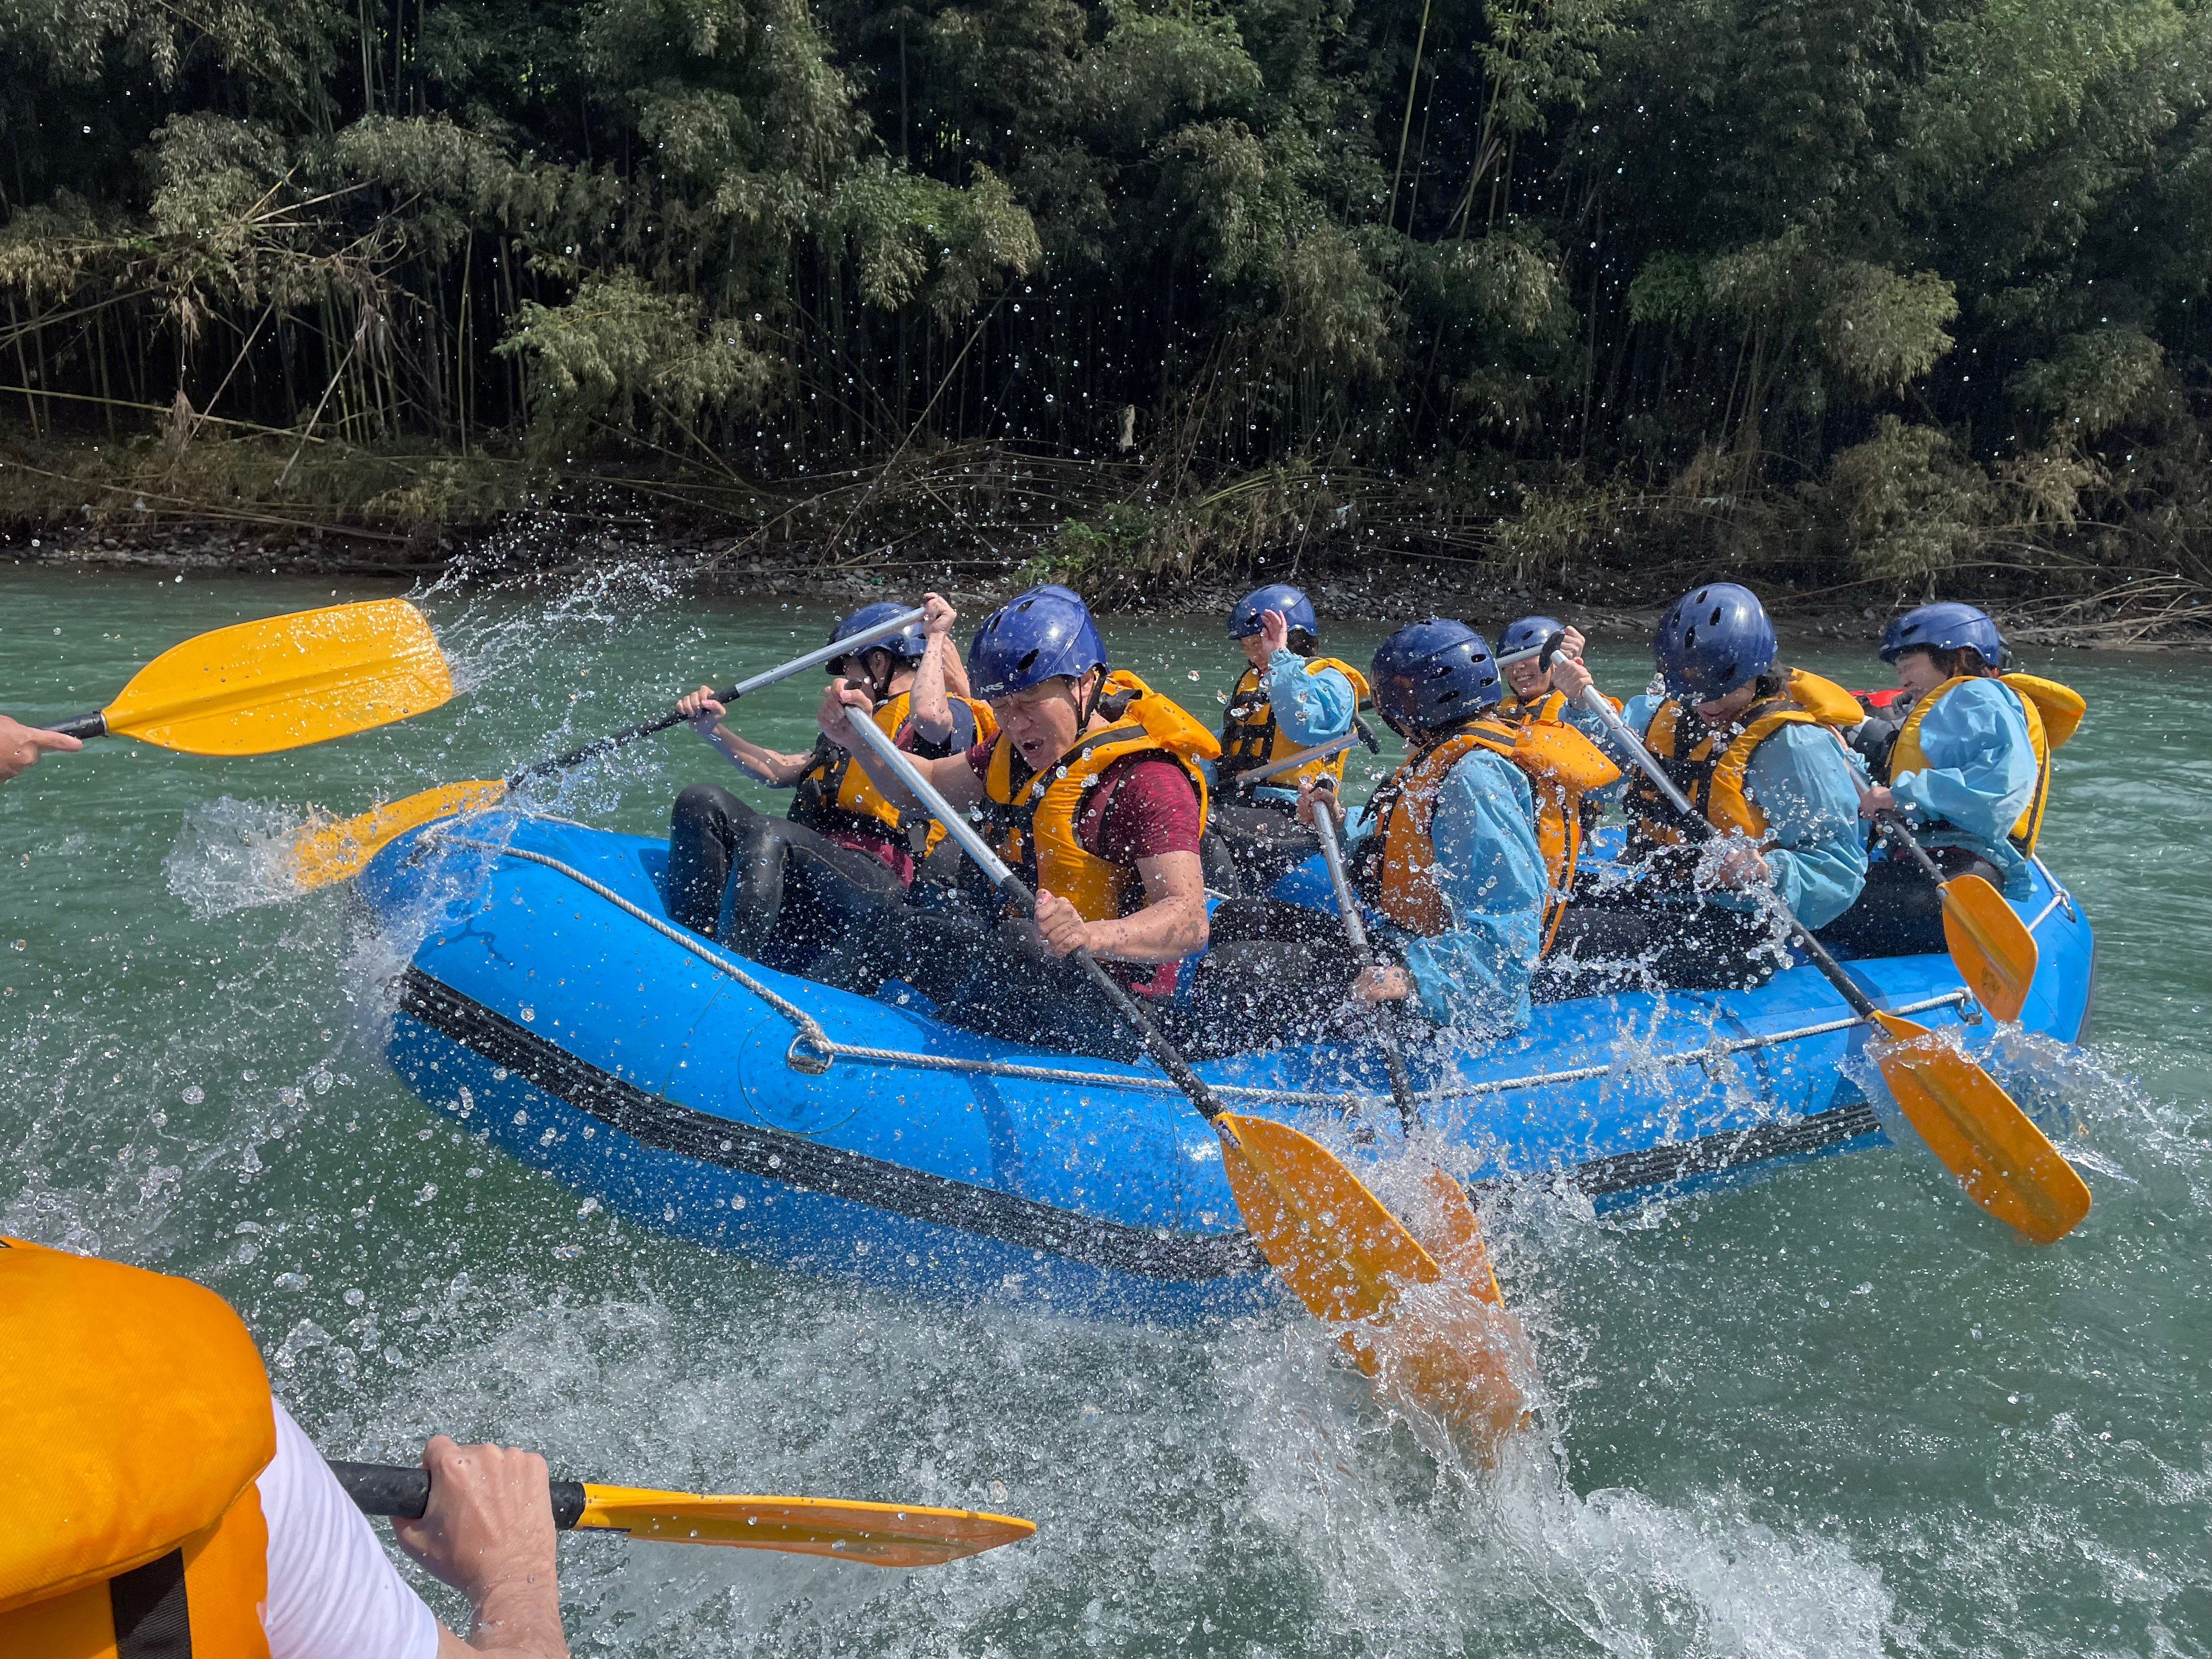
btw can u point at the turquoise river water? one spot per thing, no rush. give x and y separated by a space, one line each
1840 1412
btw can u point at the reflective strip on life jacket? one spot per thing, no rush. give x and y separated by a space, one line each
1251 737
2052 710
134 1442
1036 815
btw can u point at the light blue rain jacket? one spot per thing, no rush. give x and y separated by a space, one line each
1309 709
1805 783
1474 975
1980 776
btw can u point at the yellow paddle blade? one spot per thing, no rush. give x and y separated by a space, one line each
2005 1162
336 851
1991 945
1443 1349
881 1534
1449 1228
263 686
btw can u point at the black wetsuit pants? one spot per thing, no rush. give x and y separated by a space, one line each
1899 912
1635 938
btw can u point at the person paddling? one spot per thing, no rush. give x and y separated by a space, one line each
1287 700
1756 747
808 893
1963 757
1535 694
1446 852
182 1510
1092 786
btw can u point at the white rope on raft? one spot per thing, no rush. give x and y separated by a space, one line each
827 1048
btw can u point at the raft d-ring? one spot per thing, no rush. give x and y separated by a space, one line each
1969 1012
808 1055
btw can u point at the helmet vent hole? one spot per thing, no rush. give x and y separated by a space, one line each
1029 660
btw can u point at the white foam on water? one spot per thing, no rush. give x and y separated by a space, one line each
232 856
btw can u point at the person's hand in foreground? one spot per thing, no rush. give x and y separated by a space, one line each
489 1533
21 746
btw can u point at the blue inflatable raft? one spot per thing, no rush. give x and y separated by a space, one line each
550 1002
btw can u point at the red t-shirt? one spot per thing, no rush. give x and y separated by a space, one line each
1142 807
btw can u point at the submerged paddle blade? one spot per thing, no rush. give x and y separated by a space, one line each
1449 1228
338 852
1990 943
263 686
2006 1164
881 1534
1443 1348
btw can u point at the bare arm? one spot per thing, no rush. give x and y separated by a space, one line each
951 777
927 706
1169 927
489 1533
777 770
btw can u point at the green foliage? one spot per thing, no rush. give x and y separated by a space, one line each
1543 256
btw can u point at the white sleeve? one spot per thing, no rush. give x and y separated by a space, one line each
333 1593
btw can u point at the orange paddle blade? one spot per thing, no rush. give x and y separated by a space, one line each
2006 1164
1991 945
336 852
1451 1233
260 687
1442 1349
881 1534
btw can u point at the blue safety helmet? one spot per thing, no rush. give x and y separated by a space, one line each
1042 634
1298 610
1945 626
1528 633
1431 675
1712 639
907 645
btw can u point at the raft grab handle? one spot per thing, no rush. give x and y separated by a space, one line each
813 1050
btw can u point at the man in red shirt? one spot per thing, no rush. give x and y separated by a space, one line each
1093 790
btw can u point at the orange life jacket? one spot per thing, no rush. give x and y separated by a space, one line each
1710 767
1251 737
137 1417
1397 868
2052 710
1036 815
834 795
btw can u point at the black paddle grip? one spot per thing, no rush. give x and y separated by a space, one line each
386 1488
93 725
1551 650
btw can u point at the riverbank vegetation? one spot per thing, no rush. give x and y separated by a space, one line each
1904 294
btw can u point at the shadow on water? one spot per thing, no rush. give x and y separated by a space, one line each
1835 1412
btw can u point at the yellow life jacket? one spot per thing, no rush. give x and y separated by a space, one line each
2052 710
1710 769
834 795
1561 765
1251 738
1036 815
137 1417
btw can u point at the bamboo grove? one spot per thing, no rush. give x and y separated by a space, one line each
1869 288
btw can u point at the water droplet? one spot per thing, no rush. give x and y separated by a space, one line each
528 1014
194 1094
354 1299
291 1281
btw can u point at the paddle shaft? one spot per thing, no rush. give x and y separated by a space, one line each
1291 763
829 653
1155 1041
1393 1056
1695 824
387 1489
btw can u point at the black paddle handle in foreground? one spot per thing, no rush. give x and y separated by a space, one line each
829 653
1149 1034
93 725
1696 825
387 1489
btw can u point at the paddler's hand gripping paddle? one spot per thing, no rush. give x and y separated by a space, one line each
336 852
881 1534
2006 1164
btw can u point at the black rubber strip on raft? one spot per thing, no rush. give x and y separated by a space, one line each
793 1160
